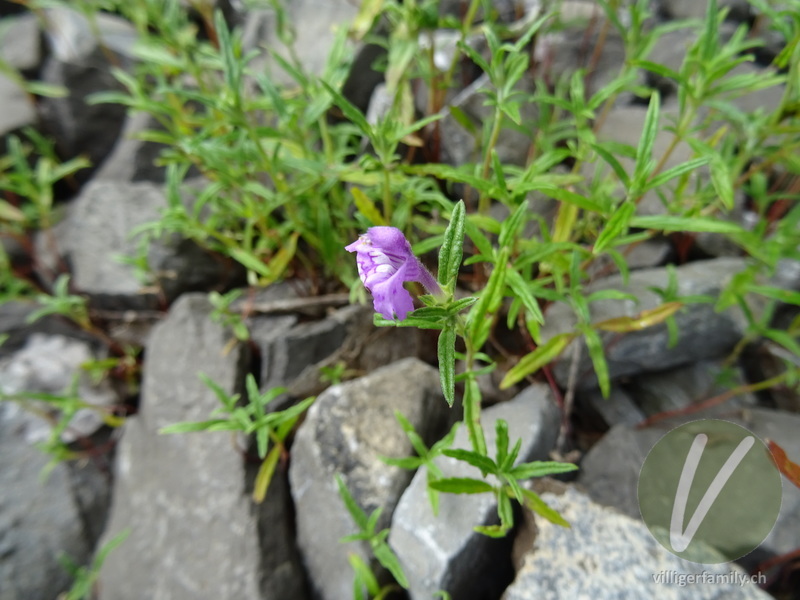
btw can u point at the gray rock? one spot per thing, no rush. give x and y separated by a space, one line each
14 323
459 145
314 26
703 333
685 386
690 9
41 519
444 552
194 530
345 432
562 52
650 253
18 110
133 159
618 408
293 353
20 44
610 470
97 233
50 364
605 555
81 63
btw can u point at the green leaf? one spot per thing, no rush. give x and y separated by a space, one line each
521 289
265 473
388 559
540 507
363 577
595 346
501 443
676 223
513 224
530 363
367 207
459 305
615 165
541 469
426 323
494 531
462 119
367 13
447 361
571 198
616 226
349 109
644 152
211 425
505 511
721 180
357 514
674 172
452 247
489 301
461 485
479 461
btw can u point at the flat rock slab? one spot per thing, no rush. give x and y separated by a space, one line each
194 532
345 432
606 555
443 552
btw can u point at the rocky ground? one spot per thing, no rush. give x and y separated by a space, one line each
185 499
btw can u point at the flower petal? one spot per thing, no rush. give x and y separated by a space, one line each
390 297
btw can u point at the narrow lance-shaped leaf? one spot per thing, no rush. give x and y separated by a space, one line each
461 485
479 461
530 363
265 473
645 319
452 246
447 360
513 224
596 353
540 507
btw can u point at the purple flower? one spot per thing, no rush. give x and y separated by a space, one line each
385 262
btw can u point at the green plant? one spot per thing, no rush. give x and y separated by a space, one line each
252 418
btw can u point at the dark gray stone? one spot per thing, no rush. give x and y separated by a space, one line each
82 64
685 386
42 518
618 408
195 532
703 333
610 470
443 551
607 555
292 352
345 432
133 159
14 323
